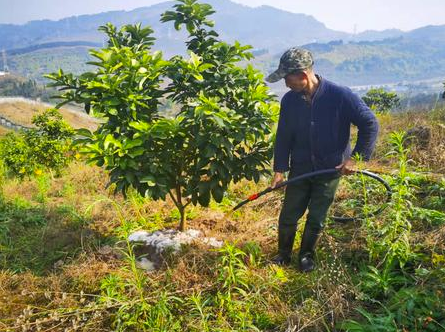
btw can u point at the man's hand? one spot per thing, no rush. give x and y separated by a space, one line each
347 167
277 179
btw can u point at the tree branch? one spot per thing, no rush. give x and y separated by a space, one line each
173 198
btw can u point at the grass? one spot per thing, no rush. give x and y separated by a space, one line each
21 111
65 264
4 131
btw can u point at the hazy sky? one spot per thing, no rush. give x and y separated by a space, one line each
339 14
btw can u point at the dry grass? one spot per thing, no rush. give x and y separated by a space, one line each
80 187
22 111
191 272
303 302
431 158
4 131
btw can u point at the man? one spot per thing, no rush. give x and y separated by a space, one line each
314 131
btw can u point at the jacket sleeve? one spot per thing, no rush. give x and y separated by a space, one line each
365 120
283 141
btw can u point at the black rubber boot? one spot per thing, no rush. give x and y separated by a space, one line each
306 262
280 260
286 238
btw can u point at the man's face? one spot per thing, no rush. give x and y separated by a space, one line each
296 82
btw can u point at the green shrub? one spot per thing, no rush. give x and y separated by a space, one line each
44 148
381 101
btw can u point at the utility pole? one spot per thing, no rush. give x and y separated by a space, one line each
5 63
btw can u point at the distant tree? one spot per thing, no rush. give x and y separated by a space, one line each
17 86
422 101
381 101
47 147
221 132
443 94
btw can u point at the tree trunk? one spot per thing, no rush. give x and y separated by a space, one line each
183 219
181 207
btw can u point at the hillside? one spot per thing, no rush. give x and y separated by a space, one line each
37 63
64 260
416 55
20 111
72 253
133 228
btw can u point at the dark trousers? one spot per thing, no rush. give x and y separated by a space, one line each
315 194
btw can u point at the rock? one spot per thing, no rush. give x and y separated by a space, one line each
158 242
146 264
213 242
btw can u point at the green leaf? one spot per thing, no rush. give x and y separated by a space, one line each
142 81
149 180
190 27
139 151
204 193
131 143
204 198
218 193
84 132
199 77
195 60
112 111
219 121
256 177
134 63
138 125
205 66
110 140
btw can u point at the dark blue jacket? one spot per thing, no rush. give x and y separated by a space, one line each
316 135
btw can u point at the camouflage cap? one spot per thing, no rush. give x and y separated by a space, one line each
294 59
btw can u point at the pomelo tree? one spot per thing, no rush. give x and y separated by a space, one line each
45 147
381 101
222 131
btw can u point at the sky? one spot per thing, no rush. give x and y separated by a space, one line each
342 15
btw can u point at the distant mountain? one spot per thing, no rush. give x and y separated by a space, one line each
372 35
262 27
75 28
370 57
268 27
415 55
37 47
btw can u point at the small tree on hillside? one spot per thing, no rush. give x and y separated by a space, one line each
381 101
47 147
220 134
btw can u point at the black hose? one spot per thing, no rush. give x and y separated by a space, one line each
322 172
